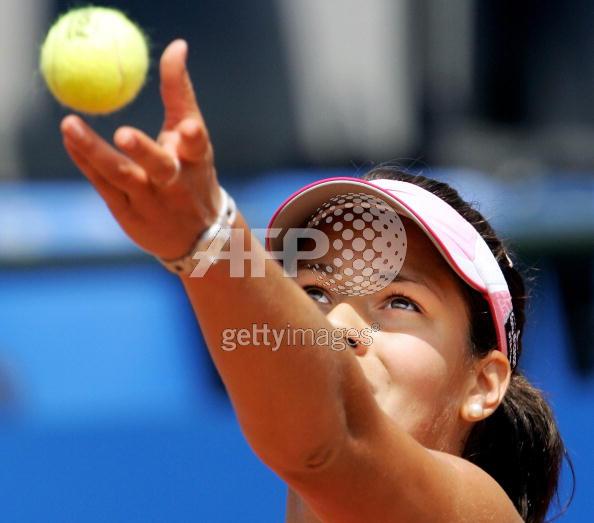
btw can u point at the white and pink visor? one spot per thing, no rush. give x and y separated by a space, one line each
455 238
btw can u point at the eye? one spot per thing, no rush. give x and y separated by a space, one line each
398 301
317 294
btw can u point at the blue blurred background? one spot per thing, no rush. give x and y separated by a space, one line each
110 409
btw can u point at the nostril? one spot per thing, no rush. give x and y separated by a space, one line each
352 342
359 348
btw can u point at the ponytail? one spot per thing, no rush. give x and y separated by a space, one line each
519 445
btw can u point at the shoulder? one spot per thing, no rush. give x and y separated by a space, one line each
478 484
392 477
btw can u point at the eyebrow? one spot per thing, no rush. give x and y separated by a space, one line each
419 280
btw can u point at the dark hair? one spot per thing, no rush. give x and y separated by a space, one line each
519 445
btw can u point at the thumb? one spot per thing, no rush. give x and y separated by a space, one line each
177 91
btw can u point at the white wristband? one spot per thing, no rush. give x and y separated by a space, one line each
210 239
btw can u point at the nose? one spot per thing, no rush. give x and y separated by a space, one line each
346 318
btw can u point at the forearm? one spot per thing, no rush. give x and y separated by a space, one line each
290 403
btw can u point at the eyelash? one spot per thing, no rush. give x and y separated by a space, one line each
388 300
412 302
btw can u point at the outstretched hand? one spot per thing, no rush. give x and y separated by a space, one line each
163 193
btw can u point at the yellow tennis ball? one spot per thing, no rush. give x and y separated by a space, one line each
94 60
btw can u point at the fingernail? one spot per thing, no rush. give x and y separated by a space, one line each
127 140
75 131
185 59
190 128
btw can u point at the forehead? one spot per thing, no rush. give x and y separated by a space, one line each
421 252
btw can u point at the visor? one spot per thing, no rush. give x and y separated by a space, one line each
456 239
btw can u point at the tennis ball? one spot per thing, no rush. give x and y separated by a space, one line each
94 60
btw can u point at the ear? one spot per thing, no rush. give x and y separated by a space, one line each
486 387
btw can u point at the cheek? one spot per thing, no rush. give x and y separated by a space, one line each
412 363
420 381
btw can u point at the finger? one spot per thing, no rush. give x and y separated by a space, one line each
160 165
111 165
115 199
177 91
194 144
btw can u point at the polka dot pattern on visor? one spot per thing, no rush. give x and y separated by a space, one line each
368 246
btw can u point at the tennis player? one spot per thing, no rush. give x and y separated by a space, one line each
416 411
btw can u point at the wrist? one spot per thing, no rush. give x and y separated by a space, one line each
209 242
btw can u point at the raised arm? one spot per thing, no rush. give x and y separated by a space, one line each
307 411
289 404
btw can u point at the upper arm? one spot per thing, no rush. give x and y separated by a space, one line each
390 477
